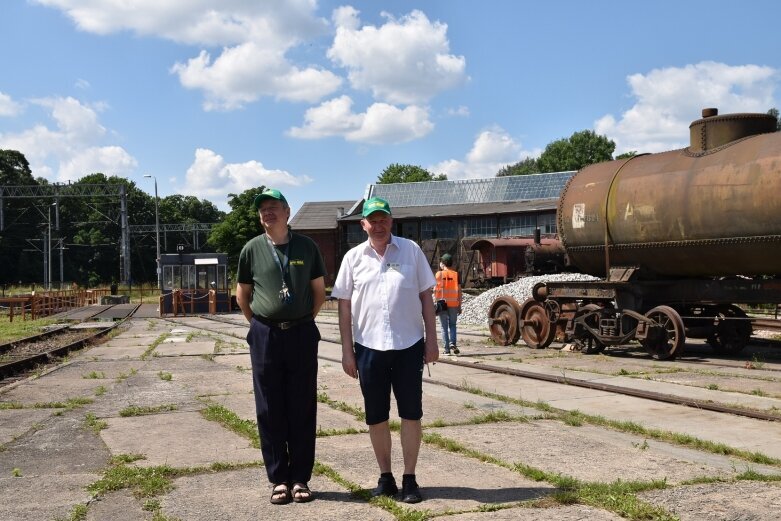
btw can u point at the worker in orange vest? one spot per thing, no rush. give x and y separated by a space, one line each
449 290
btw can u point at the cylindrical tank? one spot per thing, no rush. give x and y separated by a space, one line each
711 209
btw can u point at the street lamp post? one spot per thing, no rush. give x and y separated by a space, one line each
157 234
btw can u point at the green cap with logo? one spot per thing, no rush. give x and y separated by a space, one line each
375 204
269 193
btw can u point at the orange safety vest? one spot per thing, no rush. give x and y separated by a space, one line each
447 288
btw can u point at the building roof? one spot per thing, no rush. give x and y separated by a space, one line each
320 215
472 191
466 210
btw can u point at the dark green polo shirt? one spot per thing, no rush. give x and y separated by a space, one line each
258 267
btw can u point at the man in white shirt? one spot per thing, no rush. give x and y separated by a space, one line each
384 291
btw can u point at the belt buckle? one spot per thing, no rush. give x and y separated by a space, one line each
285 325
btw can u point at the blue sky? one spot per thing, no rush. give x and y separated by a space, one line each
316 98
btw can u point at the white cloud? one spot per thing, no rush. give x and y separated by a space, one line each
244 73
198 22
492 150
404 61
209 176
460 111
249 38
669 99
8 107
380 124
72 148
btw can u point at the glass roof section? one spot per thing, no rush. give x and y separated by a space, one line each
469 191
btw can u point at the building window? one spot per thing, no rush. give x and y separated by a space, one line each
354 233
517 225
480 227
547 223
409 230
438 230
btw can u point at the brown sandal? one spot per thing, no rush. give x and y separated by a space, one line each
280 494
301 493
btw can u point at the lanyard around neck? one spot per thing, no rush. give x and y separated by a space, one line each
283 269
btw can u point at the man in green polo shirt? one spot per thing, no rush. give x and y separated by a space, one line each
280 290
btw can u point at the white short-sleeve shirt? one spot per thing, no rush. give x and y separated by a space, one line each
385 293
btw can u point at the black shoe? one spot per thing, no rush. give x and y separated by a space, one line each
410 492
454 348
386 486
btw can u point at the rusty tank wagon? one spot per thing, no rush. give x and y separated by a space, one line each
677 238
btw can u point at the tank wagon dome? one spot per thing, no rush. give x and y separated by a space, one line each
709 210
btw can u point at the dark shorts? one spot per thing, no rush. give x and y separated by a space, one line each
381 371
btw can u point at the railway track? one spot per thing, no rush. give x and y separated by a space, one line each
18 357
485 366
767 324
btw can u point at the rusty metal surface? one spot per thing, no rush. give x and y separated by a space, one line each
679 214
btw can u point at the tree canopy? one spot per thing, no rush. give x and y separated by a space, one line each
573 153
580 149
523 167
398 173
238 226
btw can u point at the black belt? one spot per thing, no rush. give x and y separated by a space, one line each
283 324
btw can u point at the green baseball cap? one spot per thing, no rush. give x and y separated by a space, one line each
269 193
375 204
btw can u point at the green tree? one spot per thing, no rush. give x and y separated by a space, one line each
20 222
240 225
523 167
774 112
627 155
580 149
188 209
397 173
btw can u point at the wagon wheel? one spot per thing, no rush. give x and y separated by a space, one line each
667 340
731 335
589 344
537 331
503 321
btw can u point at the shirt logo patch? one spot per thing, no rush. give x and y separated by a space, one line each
392 266
296 262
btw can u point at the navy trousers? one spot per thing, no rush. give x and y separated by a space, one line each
284 378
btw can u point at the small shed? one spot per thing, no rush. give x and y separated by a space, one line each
192 276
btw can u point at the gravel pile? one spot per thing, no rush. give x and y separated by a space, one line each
474 310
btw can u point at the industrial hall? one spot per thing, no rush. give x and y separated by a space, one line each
493 227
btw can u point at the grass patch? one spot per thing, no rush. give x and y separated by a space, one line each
10 331
137 410
358 413
122 376
119 459
143 482
324 433
230 420
92 422
100 390
77 513
166 377
94 375
149 350
69 404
